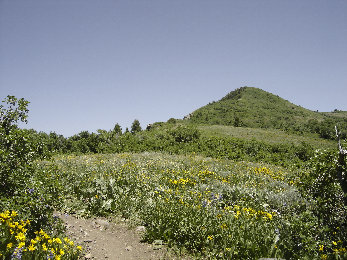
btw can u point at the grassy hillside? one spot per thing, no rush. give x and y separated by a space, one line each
271 136
255 108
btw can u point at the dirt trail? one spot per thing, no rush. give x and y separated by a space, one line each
102 239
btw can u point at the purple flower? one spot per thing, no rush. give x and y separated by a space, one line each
17 254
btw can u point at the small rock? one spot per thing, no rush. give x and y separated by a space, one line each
88 256
129 248
102 222
141 229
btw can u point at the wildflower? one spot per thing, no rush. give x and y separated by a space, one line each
269 216
57 240
20 236
31 247
9 245
17 253
321 247
334 243
79 247
5 215
223 226
238 213
210 237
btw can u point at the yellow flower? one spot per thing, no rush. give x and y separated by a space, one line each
9 245
321 247
5 215
20 237
44 247
79 247
62 252
21 244
210 237
57 240
223 226
31 247
334 243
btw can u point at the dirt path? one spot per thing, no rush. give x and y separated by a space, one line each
102 239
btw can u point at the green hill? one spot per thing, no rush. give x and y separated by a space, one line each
256 108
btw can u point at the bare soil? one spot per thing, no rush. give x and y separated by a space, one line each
103 239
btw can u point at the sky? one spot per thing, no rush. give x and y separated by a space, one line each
89 64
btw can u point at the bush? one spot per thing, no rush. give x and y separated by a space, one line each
184 134
16 153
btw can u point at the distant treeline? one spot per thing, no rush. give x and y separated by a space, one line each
171 138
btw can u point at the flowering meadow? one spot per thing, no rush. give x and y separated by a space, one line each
210 208
231 206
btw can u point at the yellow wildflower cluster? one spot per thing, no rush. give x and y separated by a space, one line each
337 249
17 244
182 181
278 176
248 212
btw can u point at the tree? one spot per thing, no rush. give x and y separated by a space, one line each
16 151
117 129
135 127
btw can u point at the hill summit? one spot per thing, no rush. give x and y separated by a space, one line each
256 108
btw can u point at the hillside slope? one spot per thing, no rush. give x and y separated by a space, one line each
256 108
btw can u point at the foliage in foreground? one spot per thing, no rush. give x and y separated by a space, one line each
16 244
26 203
213 208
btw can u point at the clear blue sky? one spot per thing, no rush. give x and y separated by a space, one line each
87 64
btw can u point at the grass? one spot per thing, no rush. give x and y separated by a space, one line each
266 135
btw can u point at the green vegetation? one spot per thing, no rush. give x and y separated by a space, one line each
271 136
212 208
26 203
212 191
255 108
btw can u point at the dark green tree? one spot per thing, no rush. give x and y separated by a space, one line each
117 129
136 127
